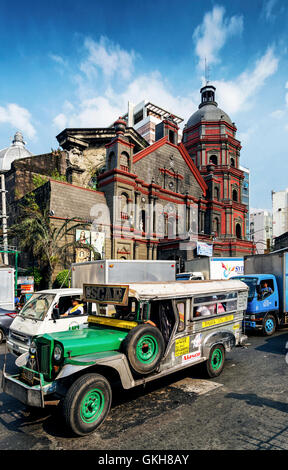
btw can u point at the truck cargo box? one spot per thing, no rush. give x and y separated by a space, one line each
111 270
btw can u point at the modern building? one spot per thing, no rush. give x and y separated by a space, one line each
280 212
261 230
144 118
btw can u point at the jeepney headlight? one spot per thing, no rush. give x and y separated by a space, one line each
33 348
57 353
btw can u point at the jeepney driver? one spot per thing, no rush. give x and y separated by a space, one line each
77 308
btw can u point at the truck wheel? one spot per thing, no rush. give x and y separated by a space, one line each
215 363
269 325
87 403
144 347
2 336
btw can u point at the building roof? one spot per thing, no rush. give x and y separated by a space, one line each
208 112
16 151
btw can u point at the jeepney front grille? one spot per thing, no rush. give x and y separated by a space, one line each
43 358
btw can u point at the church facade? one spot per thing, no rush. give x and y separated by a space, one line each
153 201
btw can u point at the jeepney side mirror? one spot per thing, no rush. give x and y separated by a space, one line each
55 314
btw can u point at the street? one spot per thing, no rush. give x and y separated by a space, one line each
244 408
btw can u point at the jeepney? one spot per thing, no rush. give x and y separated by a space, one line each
139 332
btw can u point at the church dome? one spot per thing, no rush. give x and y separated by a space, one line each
16 151
208 108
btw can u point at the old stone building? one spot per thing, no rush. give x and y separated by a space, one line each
144 201
210 139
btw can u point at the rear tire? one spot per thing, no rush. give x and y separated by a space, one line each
215 364
144 348
87 403
269 325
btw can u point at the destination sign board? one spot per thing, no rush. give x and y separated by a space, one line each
106 294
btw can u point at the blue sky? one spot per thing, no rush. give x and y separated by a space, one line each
76 64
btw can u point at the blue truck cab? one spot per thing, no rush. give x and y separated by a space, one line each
263 302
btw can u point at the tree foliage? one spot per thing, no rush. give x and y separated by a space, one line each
36 233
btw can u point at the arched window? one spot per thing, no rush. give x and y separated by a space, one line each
124 206
235 195
232 162
172 137
213 159
216 226
142 220
217 193
111 161
238 231
124 161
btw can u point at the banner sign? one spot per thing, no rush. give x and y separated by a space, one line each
204 249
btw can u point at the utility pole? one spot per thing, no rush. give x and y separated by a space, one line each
4 219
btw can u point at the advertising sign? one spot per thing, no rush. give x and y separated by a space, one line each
204 249
225 268
26 284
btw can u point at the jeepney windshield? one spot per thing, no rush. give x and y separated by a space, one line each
37 306
130 311
251 282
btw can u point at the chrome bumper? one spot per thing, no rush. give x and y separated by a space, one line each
32 396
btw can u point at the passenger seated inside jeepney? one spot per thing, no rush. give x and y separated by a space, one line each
127 312
162 315
205 310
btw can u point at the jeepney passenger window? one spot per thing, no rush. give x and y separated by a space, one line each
216 304
181 313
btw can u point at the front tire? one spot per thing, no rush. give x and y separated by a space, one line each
87 403
215 364
269 325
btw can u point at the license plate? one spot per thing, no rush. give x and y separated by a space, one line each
28 376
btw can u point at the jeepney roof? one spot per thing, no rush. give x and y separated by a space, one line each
149 290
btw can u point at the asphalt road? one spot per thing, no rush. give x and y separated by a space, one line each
244 408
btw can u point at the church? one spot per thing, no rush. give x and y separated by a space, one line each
157 201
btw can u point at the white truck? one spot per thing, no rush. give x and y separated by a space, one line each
215 268
7 288
43 312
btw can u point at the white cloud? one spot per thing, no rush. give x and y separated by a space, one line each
278 113
104 110
238 95
211 35
108 57
99 102
19 118
267 9
58 59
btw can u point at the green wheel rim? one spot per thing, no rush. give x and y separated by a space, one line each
147 349
92 405
216 359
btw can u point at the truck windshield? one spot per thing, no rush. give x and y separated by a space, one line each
183 277
38 306
251 282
